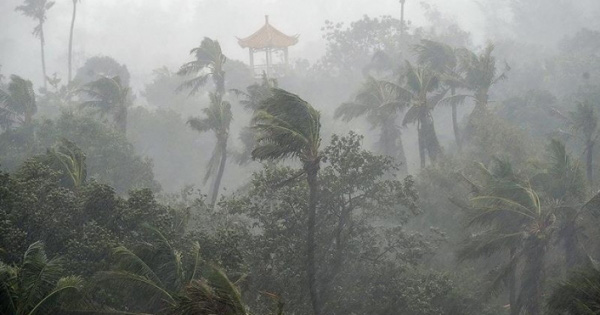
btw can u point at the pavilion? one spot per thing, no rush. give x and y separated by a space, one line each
269 40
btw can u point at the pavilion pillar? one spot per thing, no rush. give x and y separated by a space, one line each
268 55
251 50
285 55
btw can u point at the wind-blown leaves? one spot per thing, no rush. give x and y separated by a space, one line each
17 102
209 63
286 126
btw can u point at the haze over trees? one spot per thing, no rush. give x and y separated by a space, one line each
413 168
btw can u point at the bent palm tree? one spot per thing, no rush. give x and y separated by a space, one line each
289 127
37 10
217 119
36 286
251 99
379 100
17 103
513 220
108 96
420 83
72 159
443 59
480 74
580 294
209 63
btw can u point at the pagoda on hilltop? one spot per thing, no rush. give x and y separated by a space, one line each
273 43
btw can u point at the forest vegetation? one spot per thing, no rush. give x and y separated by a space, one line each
409 170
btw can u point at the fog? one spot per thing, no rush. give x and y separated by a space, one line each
300 157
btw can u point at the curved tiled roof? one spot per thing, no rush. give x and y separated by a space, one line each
268 37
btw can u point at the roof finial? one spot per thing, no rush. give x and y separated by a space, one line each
266 19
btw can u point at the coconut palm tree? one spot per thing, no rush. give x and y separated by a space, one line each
37 9
17 103
480 74
71 40
108 96
421 91
379 100
563 181
159 272
36 285
217 118
72 159
511 219
209 63
580 294
443 59
289 127
251 100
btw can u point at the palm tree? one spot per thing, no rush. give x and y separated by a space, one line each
580 294
108 96
37 10
17 102
480 74
563 181
583 122
217 119
379 100
215 294
209 63
443 59
36 285
158 271
512 219
71 40
420 83
251 99
289 127
72 159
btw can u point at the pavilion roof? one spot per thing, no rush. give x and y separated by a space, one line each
268 37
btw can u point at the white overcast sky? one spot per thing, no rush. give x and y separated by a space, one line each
147 34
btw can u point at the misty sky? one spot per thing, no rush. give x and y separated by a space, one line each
147 34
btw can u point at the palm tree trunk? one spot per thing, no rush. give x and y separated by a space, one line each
312 168
531 287
120 119
217 183
71 41
432 144
421 140
455 123
42 43
570 243
402 17
390 144
589 160
512 285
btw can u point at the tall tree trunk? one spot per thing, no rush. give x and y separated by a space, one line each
390 144
512 285
531 285
589 161
217 183
42 44
570 244
120 120
455 123
421 139
220 83
402 17
71 42
432 144
312 168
